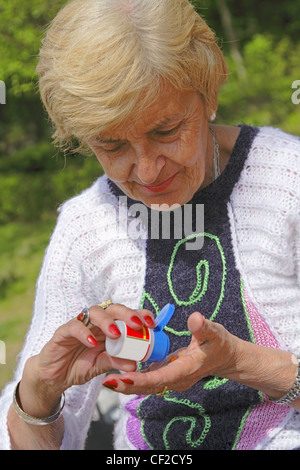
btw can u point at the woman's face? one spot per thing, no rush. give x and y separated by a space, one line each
163 157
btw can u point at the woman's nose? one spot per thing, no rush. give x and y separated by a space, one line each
149 165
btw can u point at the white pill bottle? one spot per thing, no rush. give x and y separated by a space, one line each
145 344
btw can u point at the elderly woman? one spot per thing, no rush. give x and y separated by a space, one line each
136 82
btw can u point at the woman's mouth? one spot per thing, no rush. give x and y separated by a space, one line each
158 188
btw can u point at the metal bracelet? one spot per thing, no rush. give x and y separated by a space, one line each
293 393
32 420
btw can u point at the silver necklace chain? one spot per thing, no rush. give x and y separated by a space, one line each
217 170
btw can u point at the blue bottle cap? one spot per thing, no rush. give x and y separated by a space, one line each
164 317
161 342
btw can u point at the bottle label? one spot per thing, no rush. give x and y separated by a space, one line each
137 343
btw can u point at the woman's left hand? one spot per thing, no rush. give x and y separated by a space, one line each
212 351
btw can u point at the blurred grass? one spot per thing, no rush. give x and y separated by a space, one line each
22 247
28 203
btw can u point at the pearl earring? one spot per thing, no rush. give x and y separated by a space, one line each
213 117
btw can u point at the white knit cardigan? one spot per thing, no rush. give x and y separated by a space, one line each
89 261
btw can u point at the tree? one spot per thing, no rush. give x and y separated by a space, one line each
22 25
261 38
33 178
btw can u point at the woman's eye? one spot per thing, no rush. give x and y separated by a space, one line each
113 149
169 131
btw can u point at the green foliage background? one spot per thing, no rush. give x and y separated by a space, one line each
261 41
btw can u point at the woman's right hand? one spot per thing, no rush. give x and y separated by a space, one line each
76 354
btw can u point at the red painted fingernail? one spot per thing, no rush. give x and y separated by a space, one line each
137 320
80 317
92 340
114 330
149 320
111 384
128 381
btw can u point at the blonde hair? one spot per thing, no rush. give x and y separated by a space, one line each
103 61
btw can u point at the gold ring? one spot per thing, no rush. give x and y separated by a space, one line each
105 304
161 394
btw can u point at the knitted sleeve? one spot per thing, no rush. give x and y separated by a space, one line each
64 287
265 207
297 246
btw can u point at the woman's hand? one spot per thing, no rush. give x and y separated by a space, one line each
76 354
212 351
